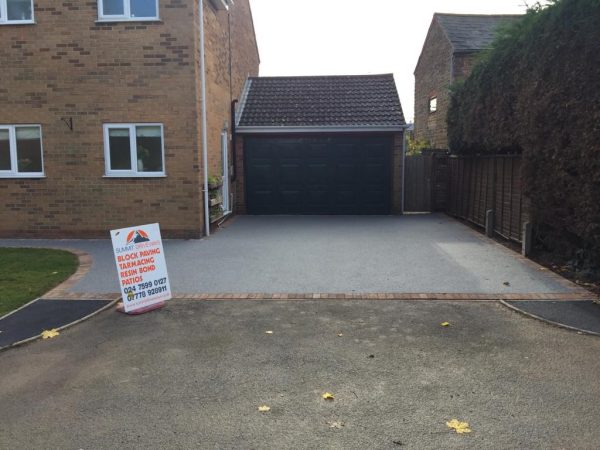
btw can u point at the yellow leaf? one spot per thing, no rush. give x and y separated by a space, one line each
268 332
264 408
49 334
445 324
459 427
328 396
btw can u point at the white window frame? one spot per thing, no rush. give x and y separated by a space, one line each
133 173
126 16
4 15
433 101
12 139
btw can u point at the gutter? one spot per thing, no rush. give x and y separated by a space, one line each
204 126
321 129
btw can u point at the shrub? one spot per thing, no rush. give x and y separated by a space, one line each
537 92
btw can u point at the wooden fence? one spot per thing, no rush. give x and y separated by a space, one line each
481 183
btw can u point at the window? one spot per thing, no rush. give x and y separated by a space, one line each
134 150
118 10
21 151
16 11
221 4
433 104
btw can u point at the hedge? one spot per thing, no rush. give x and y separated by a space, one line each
537 93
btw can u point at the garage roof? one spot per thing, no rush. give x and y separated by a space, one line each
320 103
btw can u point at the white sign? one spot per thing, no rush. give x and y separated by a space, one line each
141 266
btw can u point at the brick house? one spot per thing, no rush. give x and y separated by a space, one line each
320 145
100 112
449 52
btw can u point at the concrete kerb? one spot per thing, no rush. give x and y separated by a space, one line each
548 322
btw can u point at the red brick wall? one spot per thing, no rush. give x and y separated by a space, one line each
67 65
433 76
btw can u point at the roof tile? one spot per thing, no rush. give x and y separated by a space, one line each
344 100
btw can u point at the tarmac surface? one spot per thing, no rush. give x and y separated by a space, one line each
41 315
193 374
329 254
580 315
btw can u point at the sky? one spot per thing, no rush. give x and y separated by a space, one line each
350 37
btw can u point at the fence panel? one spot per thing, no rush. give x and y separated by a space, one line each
480 183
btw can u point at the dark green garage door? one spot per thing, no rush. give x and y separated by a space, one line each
318 175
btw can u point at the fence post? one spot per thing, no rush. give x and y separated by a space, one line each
489 223
527 237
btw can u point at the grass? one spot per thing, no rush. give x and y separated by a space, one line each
27 273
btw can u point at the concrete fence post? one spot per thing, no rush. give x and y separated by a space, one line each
489 223
526 239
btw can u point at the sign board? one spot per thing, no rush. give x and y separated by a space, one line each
141 266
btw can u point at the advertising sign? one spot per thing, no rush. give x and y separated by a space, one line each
141 266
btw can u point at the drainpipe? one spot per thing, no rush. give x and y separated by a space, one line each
204 127
403 165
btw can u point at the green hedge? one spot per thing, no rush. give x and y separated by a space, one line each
537 92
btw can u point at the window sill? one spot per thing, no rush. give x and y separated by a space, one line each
136 20
132 175
17 22
22 176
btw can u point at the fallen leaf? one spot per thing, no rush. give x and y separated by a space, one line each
445 324
459 427
49 334
340 334
337 425
506 283
328 396
268 332
54 273
264 408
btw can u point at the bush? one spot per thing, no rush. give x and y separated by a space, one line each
537 92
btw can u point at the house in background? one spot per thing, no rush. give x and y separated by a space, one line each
320 145
451 46
100 112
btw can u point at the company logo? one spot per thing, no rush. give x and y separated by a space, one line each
137 236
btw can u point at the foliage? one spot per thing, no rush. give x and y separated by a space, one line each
215 181
27 273
536 92
416 146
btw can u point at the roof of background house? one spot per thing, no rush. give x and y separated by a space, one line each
472 32
345 101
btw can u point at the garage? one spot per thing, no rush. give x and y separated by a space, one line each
318 175
319 145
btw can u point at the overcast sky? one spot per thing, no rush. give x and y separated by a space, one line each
341 37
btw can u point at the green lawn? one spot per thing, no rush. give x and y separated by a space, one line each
27 273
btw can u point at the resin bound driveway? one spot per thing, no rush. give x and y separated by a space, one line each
331 254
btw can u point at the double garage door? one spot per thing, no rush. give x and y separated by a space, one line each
318 175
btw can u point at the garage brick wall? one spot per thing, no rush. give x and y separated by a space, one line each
68 65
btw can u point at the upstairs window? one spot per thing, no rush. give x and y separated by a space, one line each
21 151
433 104
134 150
122 10
16 12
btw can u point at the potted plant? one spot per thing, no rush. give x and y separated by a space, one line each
215 182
